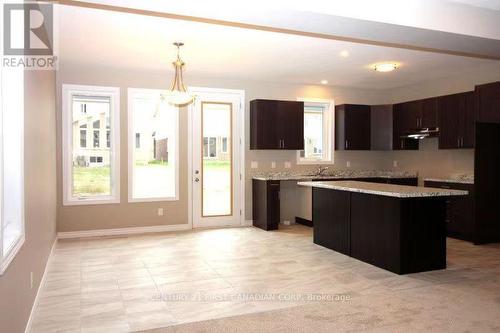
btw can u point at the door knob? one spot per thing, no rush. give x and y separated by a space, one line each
197 179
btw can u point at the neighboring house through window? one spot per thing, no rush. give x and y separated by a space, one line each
318 132
91 171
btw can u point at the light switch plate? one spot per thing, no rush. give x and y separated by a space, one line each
160 211
273 165
254 165
288 165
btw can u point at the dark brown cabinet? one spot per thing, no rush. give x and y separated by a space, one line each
404 119
457 118
459 210
276 124
488 102
352 127
266 204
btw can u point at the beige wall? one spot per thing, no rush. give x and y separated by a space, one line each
428 161
16 297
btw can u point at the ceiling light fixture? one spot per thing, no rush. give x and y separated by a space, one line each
385 67
177 95
344 53
324 81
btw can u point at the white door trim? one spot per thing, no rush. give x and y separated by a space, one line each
240 117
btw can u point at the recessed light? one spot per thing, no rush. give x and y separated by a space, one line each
324 81
344 53
385 67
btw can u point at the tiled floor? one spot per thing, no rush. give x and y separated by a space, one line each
158 280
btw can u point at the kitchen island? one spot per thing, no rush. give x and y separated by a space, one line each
398 228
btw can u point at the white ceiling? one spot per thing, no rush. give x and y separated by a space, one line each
110 39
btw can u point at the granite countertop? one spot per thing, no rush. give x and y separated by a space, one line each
335 174
458 179
397 191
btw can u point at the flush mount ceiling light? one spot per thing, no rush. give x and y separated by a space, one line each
385 67
324 81
177 95
344 53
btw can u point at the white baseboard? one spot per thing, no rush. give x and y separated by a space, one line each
123 231
247 223
40 287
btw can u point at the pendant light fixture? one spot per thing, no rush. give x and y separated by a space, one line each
177 95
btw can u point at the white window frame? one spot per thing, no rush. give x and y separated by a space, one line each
7 257
67 143
328 133
131 148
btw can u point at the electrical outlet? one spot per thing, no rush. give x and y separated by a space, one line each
395 163
288 165
273 165
286 222
31 280
160 211
254 165
348 164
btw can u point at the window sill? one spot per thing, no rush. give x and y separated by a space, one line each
5 262
313 162
138 200
83 202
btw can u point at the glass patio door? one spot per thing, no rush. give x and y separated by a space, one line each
216 158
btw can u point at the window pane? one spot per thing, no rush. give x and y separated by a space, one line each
216 168
154 126
313 132
91 165
12 109
83 138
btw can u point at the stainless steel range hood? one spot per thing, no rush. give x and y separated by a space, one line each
422 133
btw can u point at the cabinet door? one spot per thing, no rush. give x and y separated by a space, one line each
402 120
263 124
357 127
273 205
429 116
468 120
412 113
488 96
449 124
331 219
291 124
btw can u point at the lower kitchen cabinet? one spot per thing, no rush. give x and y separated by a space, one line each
266 204
459 210
331 216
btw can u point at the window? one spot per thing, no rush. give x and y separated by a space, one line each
153 147
318 133
224 145
210 147
138 140
83 136
11 164
91 175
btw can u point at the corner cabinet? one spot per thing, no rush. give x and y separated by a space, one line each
276 124
404 119
352 127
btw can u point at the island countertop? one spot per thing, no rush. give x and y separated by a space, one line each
389 190
334 174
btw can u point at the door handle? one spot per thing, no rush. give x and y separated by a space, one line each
346 144
196 179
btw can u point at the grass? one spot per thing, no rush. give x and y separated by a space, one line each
89 181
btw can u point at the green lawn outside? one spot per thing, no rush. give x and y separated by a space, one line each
96 180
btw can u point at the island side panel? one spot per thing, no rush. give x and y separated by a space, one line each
331 215
375 230
266 204
423 234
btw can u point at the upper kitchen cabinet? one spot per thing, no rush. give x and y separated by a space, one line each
429 113
404 120
381 127
488 102
352 127
457 116
276 124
